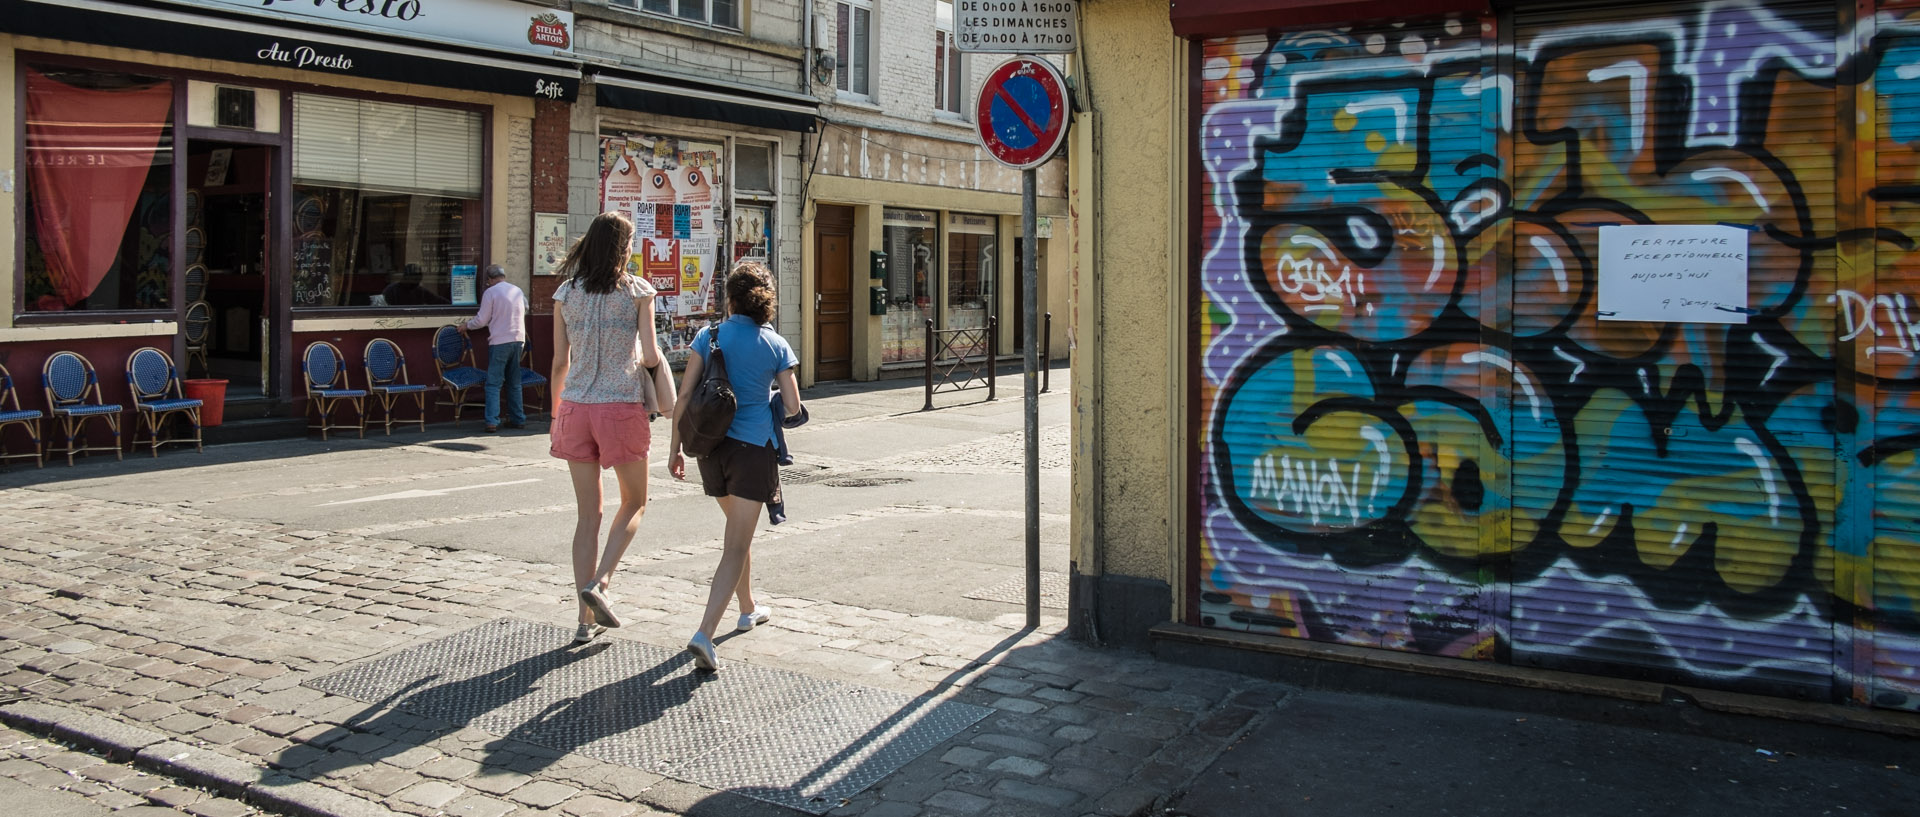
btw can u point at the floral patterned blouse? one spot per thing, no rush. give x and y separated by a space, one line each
604 330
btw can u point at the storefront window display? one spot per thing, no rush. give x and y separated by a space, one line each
673 191
911 238
99 154
971 251
387 203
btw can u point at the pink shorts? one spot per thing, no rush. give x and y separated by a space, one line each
607 433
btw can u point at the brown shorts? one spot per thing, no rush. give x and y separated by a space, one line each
735 468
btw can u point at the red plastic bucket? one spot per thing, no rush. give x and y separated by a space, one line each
212 395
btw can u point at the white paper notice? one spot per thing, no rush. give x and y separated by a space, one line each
1673 273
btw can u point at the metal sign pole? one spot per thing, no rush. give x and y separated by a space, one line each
1030 312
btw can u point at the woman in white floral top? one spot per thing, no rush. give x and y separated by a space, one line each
603 349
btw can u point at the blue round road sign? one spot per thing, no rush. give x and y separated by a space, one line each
1023 112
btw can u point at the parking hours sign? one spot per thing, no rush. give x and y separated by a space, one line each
1023 112
1015 26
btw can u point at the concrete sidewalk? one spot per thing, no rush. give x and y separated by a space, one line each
169 628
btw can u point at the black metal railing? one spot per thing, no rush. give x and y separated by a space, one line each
961 359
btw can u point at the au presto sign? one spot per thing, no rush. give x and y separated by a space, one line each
505 25
1015 26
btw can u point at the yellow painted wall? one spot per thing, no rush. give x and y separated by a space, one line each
1129 290
504 107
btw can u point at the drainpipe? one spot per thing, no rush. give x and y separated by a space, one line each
806 53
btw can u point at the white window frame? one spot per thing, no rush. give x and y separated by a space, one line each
949 66
675 10
853 60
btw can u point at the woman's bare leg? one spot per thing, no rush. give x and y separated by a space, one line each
742 516
586 528
632 477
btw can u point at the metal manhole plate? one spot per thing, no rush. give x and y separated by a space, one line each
864 482
777 736
1053 591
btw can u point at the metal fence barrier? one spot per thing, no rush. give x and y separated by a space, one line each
961 359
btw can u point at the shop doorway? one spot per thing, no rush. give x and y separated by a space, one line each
833 293
231 320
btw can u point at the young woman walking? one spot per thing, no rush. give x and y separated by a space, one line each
603 347
741 472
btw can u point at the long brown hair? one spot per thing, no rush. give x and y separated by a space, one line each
598 260
750 291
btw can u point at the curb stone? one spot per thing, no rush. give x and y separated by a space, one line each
204 768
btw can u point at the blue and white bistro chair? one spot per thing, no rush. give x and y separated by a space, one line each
530 379
453 357
325 374
155 386
73 398
12 414
387 380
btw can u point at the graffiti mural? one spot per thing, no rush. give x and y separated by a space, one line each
1419 433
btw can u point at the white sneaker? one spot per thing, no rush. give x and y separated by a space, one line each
704 656
749 620
587 632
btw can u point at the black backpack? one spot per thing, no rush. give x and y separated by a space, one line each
706 413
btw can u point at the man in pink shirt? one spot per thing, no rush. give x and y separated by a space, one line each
503 312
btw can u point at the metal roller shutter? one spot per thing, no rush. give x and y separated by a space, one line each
1352 475
1885 317
1673 514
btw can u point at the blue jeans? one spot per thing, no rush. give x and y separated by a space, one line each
503 367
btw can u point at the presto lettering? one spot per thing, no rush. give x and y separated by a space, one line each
390 9
305 57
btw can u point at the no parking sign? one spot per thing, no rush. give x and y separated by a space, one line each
1023 112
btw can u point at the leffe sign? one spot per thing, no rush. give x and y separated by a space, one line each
1015 26
504 25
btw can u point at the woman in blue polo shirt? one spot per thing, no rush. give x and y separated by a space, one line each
741 472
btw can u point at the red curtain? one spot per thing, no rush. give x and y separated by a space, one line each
88 154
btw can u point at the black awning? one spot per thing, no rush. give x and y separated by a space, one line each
326 56
712 104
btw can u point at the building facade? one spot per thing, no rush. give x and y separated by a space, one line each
909 220
242 179
260 178
1421 392
694 120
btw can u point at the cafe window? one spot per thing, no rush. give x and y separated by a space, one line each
911 239
387 203
971 252
98 205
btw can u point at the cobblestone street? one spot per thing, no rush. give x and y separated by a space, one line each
161 617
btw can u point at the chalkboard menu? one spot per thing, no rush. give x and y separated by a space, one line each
312 272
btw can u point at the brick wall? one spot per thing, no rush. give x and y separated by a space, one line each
548 165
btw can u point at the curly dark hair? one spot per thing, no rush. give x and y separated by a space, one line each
750 291
598 261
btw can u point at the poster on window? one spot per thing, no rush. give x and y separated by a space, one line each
752 233
466 284
660 264
673 190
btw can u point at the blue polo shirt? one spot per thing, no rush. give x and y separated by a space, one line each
754 354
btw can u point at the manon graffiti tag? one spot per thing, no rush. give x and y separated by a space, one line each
1419 434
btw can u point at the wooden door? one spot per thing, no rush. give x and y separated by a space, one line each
833 293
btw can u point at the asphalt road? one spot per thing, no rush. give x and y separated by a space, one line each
888 506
